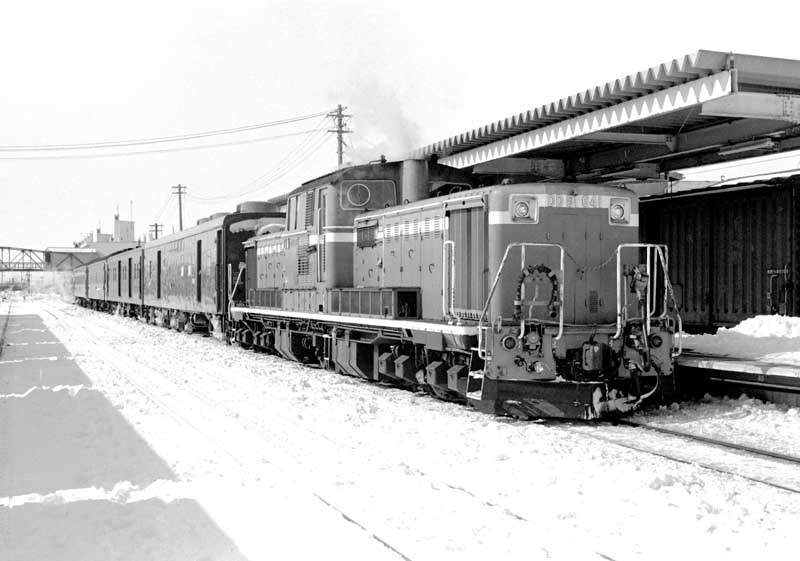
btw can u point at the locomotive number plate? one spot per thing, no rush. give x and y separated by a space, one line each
573 201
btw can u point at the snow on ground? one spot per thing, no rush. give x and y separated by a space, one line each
275 460
745 420
766 338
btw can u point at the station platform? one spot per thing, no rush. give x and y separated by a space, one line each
722 374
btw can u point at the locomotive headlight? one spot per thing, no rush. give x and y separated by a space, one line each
523 208
619 211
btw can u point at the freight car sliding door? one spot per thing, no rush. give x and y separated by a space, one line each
752 259
732 255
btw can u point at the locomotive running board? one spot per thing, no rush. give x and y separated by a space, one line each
237 313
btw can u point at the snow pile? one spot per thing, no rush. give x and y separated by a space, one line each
744 420
766 338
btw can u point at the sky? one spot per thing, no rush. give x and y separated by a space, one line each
410 73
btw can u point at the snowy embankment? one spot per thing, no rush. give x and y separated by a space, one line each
290 462
771 339
765 338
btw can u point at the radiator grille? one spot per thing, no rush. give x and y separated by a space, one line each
593 302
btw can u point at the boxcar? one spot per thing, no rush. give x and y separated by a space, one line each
733 250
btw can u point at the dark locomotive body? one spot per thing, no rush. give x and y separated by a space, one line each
528 299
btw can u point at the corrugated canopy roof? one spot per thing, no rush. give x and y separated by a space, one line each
699 109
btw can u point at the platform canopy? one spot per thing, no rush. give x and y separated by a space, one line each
700 109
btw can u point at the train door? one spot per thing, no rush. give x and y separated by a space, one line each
130 277
158 274
410 251
220 275
141 276
466 229
431 256
319 228
198 269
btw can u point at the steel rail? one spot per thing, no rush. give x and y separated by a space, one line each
708 440
667 456
123 368
5 327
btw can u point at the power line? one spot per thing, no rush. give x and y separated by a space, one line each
273 175
159 151
157 139
297 155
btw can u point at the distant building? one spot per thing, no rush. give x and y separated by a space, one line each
123 230
106 244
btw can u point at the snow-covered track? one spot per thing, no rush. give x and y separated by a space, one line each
715 441
137 374
5 319
759 466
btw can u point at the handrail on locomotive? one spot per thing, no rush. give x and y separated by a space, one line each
655 253
482 350
658 253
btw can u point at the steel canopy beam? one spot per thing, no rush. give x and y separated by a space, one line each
630 138
647 106
751 105
691 149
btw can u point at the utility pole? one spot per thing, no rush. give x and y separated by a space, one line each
340 130
181 191
154 229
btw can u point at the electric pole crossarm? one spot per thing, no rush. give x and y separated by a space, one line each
179 190
340 130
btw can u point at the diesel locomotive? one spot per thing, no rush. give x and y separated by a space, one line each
525 299
519 298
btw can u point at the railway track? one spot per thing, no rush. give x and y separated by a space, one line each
776 463
764 467
5 327
714 441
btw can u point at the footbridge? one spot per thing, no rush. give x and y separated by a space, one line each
21 260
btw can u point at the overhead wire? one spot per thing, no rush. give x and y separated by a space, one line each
157 139
272 177
296 156
158 151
